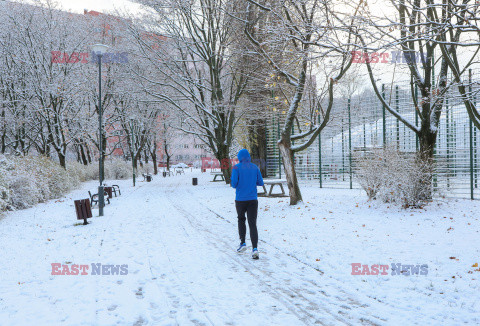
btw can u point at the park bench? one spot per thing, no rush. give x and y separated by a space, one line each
147 177
113 189
116 188
179 171
94 197
272 183
109 191
169 173
217 174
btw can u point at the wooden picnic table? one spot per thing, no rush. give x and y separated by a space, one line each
272 183
217 174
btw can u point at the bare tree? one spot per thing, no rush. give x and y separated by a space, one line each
194 69
456 26
49 94
417 28
297 35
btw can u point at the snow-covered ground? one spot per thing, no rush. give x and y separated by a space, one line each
179 242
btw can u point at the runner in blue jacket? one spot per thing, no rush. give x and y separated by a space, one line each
246 177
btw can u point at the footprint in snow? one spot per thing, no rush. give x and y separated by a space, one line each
140 321
112 308
139 293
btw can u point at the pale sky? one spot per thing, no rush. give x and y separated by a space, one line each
98 5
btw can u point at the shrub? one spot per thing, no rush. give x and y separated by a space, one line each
395 177
28 180
5 166
368 174
117 169
23 193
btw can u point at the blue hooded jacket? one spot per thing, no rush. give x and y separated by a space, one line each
246 176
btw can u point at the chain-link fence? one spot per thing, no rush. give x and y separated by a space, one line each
362 124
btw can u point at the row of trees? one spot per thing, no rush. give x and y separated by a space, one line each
306 48
49 88
215 57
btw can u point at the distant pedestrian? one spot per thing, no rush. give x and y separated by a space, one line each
246 176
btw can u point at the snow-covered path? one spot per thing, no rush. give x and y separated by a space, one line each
277 289
178 242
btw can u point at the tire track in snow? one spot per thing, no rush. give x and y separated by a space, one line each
343 302
274 294
286 295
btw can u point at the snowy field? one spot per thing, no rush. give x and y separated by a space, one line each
179 244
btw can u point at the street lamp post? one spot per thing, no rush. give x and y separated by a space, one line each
133 150
99 50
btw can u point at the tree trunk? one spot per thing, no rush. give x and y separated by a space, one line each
135 161
223 156
89 155
4 146
427 140
227 172
83 156
139 159
61 158
4 133
77 151
257 144
104 140
154 161
290 173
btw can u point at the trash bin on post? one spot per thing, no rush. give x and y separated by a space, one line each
83 210
194 181
149 178
164 174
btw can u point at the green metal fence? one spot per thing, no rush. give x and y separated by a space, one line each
361 123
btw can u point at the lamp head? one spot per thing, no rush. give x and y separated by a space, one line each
100 49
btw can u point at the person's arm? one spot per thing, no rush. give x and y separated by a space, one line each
259 178
234 178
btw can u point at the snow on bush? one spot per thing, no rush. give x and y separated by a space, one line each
394 177
34 179
83 172
115 169
5 166
368 174
27 181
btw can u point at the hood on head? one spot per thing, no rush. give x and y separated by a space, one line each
243 155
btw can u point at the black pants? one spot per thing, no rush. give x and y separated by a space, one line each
251 208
